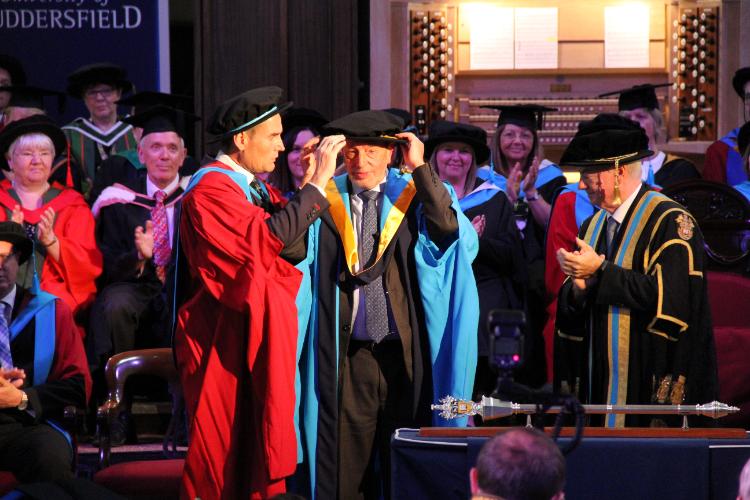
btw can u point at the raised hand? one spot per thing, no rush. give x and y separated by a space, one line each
579 264
144 240
529 182
326 156
514 182
17 215
479 222
45 232
307 159
413 152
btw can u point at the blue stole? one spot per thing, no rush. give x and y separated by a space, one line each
42 307
480 195
735 171
744 188
546 174
451 304
584 207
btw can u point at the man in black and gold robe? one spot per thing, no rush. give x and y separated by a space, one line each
633 323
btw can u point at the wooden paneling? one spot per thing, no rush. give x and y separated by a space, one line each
310 49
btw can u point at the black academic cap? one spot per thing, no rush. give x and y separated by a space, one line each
93 74
638 96
14 233
141 101
370 126
530 116
401 113
604 142
26 96
14 67
162 119
40 124
295 117
741 77
246 110
442 131
743 138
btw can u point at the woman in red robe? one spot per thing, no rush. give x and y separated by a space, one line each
57 218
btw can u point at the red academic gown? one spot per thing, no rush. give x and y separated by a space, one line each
235 343
561 233
72 277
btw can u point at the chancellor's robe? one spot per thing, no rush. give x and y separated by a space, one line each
72 277
643 333
236 334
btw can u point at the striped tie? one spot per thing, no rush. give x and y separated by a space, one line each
6 358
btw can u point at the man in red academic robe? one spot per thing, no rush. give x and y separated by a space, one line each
236 332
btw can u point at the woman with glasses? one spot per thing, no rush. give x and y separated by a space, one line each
101 135
57 218
531 184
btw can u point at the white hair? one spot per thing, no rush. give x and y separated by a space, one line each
34 140
182 141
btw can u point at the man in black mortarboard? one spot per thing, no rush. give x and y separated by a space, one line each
135 227
236 333
11 73
95 138
394 288
633 322
27 100
123 167
723 161
639 103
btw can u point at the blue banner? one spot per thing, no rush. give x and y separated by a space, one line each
54 37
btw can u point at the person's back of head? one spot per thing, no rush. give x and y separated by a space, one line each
744 491
521 464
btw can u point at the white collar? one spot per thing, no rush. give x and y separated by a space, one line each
152 188
229 162
655 163
10 298
622 210
378 188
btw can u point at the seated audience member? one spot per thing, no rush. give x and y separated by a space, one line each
11 73
102 134
29 101
744 491
723 162
299 125
455 150
42 370
743 143
639 103
135 228
57 218
124 167
520 464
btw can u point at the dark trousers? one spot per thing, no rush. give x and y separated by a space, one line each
34 452
126 316
376 399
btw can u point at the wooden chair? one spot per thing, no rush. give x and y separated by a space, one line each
723 215
144 478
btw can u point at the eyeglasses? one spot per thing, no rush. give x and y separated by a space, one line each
28 154
105 92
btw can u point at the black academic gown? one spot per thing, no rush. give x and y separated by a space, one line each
674 170
500 273
645 326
